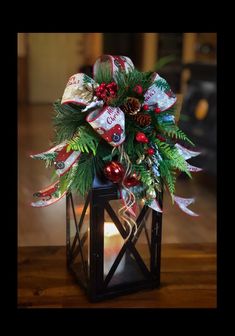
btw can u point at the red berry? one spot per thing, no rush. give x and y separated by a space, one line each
145 107
138 89
157 110
141 137
150 151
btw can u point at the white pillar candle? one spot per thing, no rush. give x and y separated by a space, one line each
113 243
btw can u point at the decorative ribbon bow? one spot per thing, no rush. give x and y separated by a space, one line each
109 122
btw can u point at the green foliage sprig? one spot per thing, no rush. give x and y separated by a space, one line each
85 140
71 126
67 120
171 153
127 82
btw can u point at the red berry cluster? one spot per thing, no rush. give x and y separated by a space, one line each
145 107
105 91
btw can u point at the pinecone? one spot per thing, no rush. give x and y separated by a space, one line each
142 119
131 106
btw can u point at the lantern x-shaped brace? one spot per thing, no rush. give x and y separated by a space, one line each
76 247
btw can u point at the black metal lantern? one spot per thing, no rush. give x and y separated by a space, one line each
104 262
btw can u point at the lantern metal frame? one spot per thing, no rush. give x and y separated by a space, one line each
91 277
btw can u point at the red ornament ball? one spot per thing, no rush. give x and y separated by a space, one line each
157 110
131 181
145 107
138 89
150 151
141 137
114 171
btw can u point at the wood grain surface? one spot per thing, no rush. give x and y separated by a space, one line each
188 280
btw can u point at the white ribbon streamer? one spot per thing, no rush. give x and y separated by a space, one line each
155 95
68 163
193 168
155 206
49 151
183 203
186 153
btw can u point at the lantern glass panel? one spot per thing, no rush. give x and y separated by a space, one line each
129 272
120 262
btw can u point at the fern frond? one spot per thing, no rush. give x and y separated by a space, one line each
171 153
173 131
85 140
168 175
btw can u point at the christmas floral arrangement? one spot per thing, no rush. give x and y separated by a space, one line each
121 125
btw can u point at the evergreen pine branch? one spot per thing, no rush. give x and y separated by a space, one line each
66 121
103 74
104 152
126 82
85 140
84 176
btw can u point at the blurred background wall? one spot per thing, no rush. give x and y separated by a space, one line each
47 60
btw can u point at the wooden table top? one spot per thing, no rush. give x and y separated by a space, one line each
188 280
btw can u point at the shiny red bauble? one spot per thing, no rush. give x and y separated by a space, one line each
141 137
131 181
114 171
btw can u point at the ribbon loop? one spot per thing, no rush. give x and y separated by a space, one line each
109 122
79 90
183 203
48 196
159 94
113 63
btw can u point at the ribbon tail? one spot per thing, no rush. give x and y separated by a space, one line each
185 152
65 161
156 95
155 206
48 196
193 168
52 150
183 203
